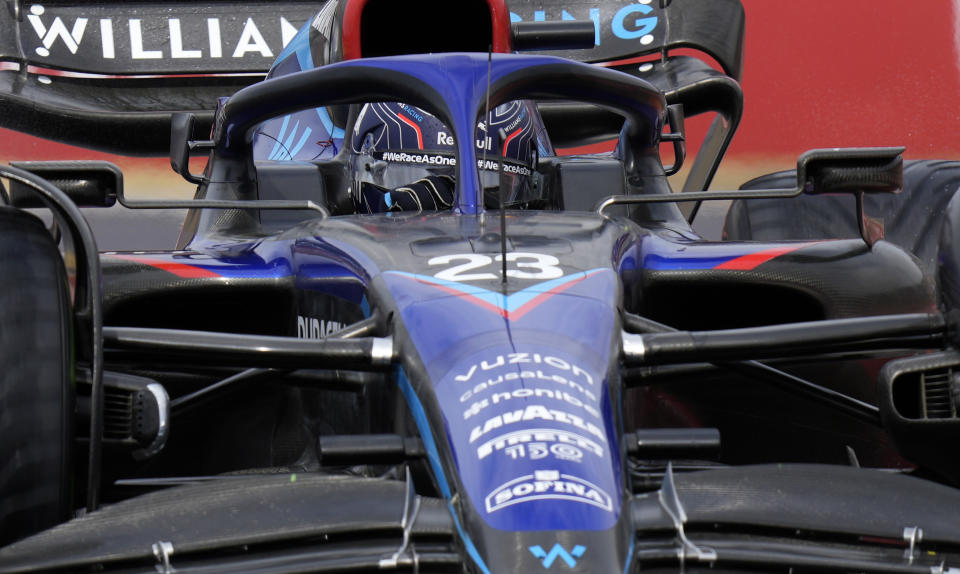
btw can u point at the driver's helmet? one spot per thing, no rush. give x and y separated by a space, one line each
404 158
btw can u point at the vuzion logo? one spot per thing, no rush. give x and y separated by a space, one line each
558 552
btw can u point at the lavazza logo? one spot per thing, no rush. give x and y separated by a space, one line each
159 38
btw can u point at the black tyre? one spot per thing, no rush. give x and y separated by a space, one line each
911 218
36 385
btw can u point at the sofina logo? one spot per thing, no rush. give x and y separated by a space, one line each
560 552
547 485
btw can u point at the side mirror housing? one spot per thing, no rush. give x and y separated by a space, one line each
851 170
182 145
88 183
677 135
857 171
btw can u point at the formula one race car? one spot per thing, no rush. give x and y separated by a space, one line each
399 332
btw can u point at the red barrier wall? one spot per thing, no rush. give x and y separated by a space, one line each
823 73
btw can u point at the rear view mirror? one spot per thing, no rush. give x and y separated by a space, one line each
851 170
182 145
678 136
857 171
87 183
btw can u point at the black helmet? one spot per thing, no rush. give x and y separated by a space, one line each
405 157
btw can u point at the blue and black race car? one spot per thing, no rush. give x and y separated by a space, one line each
400 332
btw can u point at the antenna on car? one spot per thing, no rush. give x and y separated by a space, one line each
502 136
664 4
486 110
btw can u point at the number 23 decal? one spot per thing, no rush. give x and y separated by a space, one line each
520 266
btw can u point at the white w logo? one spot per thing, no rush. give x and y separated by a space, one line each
56 30
558 552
